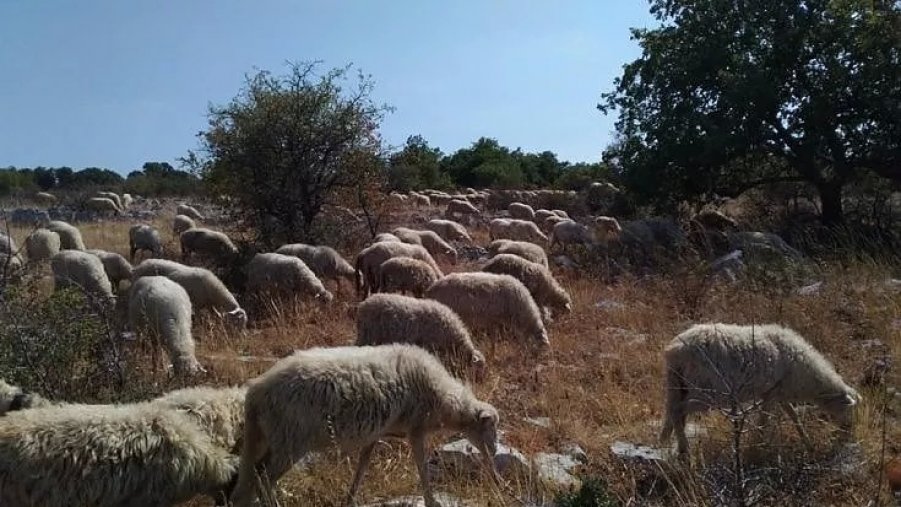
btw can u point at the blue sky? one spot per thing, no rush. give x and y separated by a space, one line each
115 83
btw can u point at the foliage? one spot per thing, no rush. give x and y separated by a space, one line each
593 493
160 178
416 166
27 180
728 95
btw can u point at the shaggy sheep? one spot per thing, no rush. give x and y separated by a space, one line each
156 267
182 223
448 230
386 237
715 365
460 207
188 211
430 240
607 228
127 199
112 196
144 237
208 243
69 235
570 232
14 398
323 260
42 244
116 267
548 224
519 230
403 274
422 201
284 274
521 211
351 397
162 308
524 249
541 215
489 301
538 279
366 266
45 199
82 270
560 213
102 204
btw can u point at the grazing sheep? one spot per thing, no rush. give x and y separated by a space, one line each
519 230
14 398
715 365
548 224
460 207
127 199
155 267
82 270
430 240
41 245
490 301
45 198
112 196
570 232
404 274
182 223
284 274
538 279
144 237
366 266
323 260
188 211
351 397
524 249
714 220
541 215
448 230
102 204
9 263
162 308
116 267
386 237
208 243
154 453
69 235
521 211
560 213
606 228
422 201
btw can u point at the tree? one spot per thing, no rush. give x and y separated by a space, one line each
280 145
416 166
730 94
485 164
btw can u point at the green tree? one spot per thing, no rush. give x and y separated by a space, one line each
730 94
485 164
416 166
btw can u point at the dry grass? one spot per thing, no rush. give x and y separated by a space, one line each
602 382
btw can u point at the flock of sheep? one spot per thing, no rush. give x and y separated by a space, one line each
402 378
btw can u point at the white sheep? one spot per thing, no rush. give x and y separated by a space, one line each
102 204
116 267
422 201
182 223
112 196
162 309
127 200
525 249
14 398
541 215
460 207
69 235
211 244
430 240
45 198
515 229
545 290
284 274
448 230
351 397
560 213
404 274
386 237
42 244
144 237
548 224
491 302
325 262
521 211
713 366
366 265
82 270
188 211
570 232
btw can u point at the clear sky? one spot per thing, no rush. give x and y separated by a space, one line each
115 83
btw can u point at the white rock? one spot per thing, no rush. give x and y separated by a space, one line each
631 451
810 290
556 469
461 457
444 499
541 422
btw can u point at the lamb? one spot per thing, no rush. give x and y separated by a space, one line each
14 398
209 243
366 266
524 249
69 235
82 270
489 301
538 279
42 244
386 237
144 237
115 266
430 240
460 207
448 230
162 308
102 204
714 365
188 211
404 274
112 196
519 230
521 211
284 274
323 260
352 397
182 223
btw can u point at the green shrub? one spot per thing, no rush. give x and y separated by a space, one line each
593 493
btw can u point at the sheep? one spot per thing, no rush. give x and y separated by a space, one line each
541 215
163 308
144 237
83 270
386 237
45 198
352 397
115 266
403 274
182 223
422 200
460 207
524 249
42 244
156 453
430 240
285 274
521 211
448 230
570 232
14 398
209 243
203 287
127 199
323 260
716 365
9 263
520 230
369 259
538 279
112 196
714 220
188 211
489 301
69 235
560 213
548 224
8 245
102 204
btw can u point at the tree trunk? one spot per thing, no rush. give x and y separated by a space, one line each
831 201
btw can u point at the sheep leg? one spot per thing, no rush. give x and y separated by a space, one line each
417 441
360 472
793 415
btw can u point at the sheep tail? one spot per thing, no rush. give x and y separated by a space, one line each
675 391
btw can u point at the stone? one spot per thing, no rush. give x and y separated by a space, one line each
810 290
541 422
631 451
606 304
461 457
565 262
575 452
729 266
556 469
444 499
